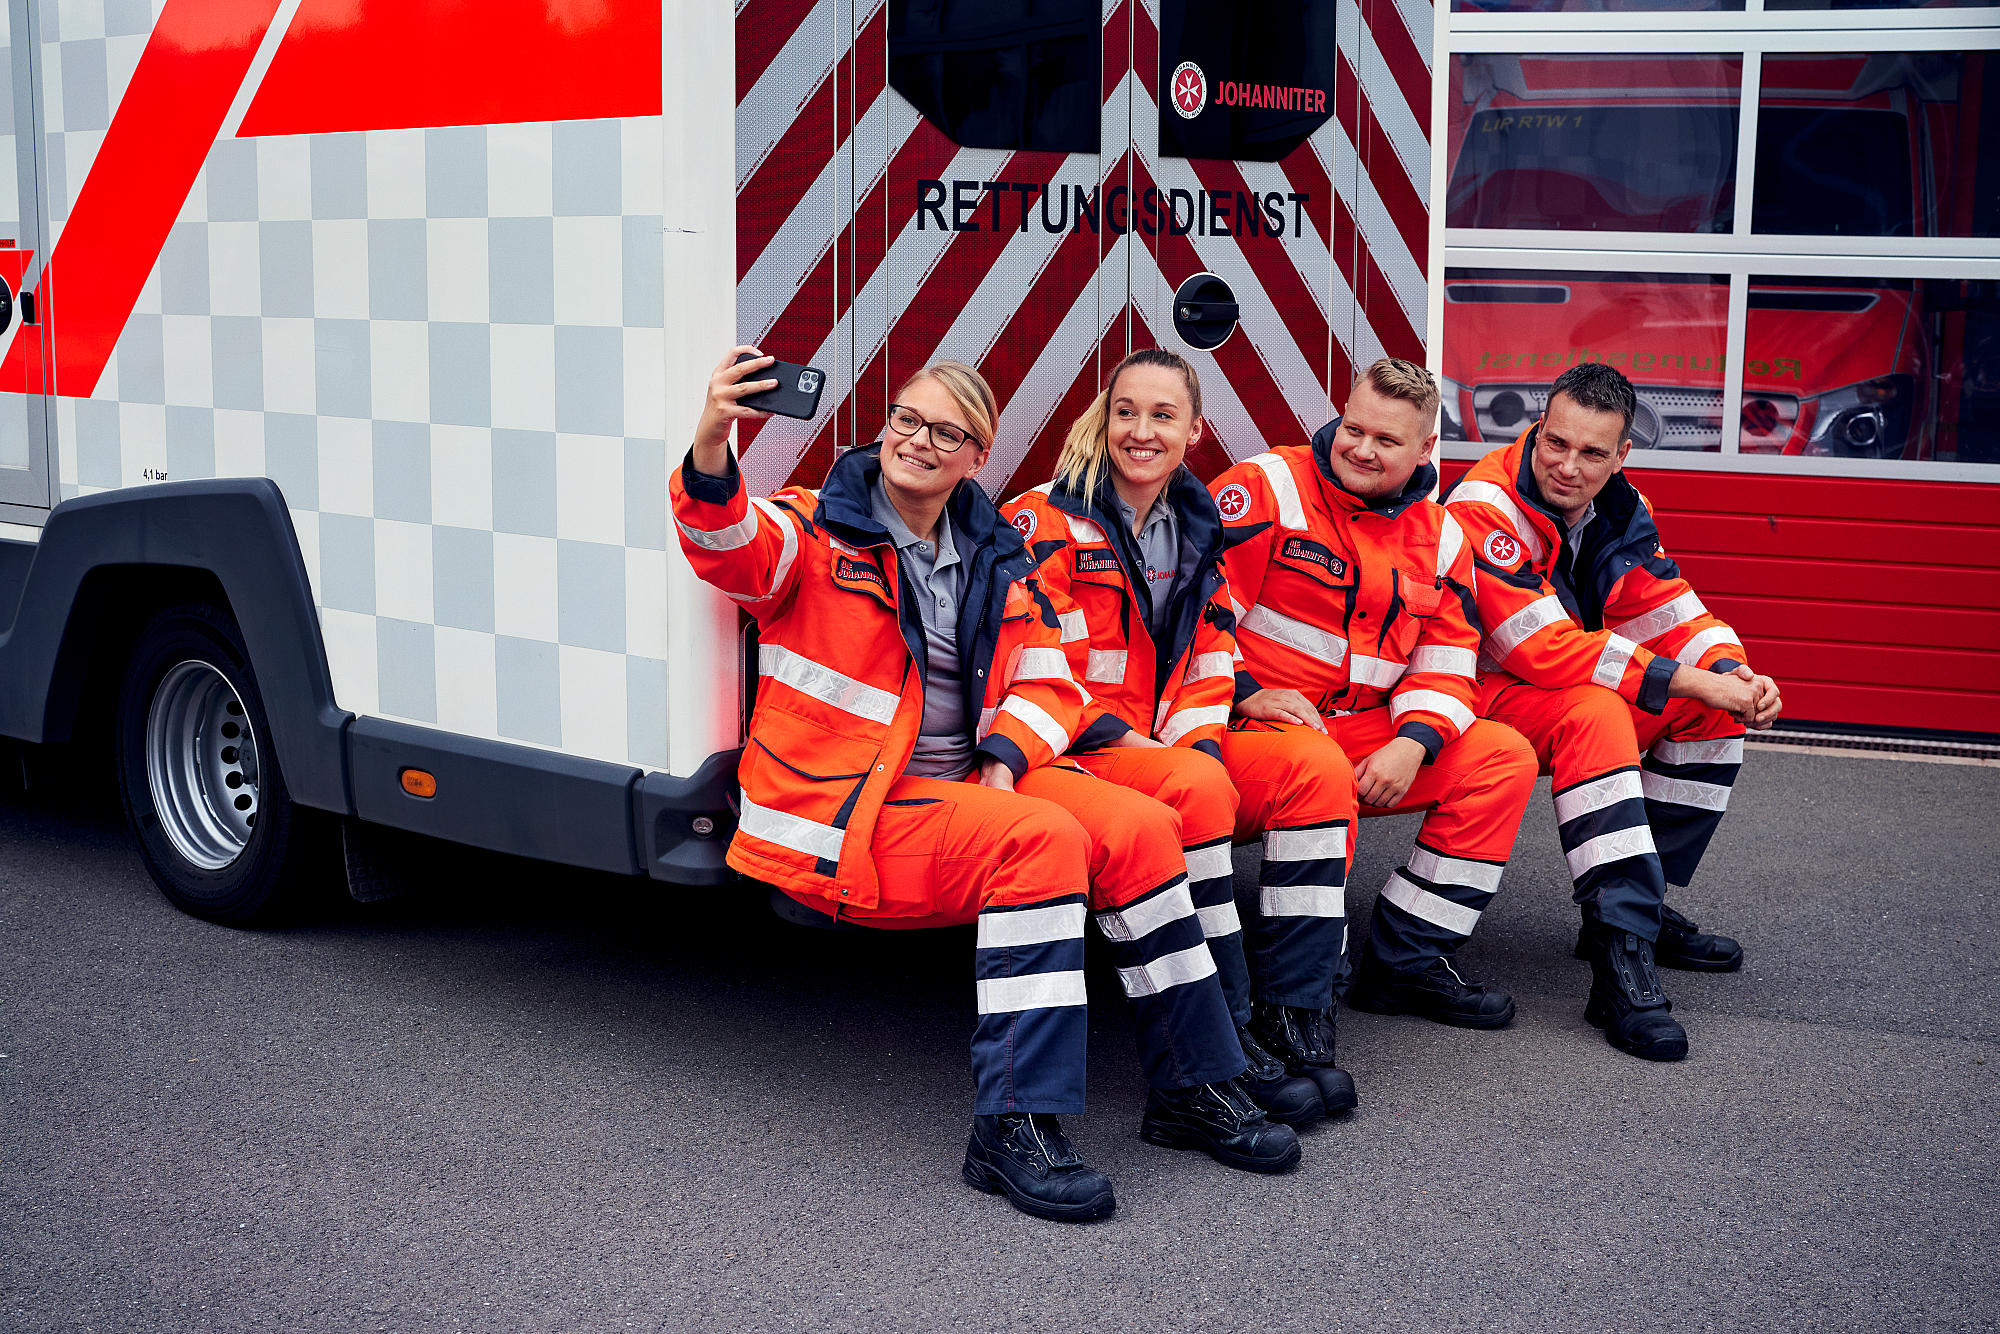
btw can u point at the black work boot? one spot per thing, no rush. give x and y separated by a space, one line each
1626 998
1222 1121
1026 1157
1285 1098
1433 990
1303 1039
1682 944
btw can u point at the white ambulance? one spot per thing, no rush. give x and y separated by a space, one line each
344 349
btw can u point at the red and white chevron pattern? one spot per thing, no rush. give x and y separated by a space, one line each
835 268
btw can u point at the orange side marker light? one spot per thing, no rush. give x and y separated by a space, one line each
420 783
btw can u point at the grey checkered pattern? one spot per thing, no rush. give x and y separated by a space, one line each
445 345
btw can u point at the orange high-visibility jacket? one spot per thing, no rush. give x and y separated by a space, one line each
1352 604
1623 618
841 658
1176 690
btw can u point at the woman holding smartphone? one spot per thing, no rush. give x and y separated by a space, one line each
901 771
1129 535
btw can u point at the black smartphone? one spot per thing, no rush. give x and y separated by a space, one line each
797 394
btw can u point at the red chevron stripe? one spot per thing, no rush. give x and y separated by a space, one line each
789 169
1392 183
763 27
1400 54
1297 309
1038 465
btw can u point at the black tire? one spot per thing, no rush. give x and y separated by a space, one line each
281 859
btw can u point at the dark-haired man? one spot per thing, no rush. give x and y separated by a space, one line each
1597 650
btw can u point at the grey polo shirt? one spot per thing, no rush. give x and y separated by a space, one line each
1159 553
936 578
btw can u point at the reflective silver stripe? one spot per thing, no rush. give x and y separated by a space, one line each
790 831
1183 721
1037 718
1431 701
1031 991
1369 671
1513 632
1138 920
1083 530
1169 970
1713 637
1284 490
1726 750
1107 665
1237 608
1328 647
1208 666
1615 846
1611 663
788 552
1686 792
1031 926
1302 900
1435 909
1662 619
1299 845
1074 626
736 535
1209 863
1041 664
1451 541
1597 794
1489 494
1443 658
1454 870
1219 921
824 684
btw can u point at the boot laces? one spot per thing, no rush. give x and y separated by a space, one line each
1041 1133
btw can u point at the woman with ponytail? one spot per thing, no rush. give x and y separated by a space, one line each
1129 537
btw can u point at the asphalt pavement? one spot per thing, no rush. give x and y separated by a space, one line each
523 1098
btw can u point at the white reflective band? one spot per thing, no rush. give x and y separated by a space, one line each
1210 863
1513 632
1489 494
1727 750
1442 658
1368 671
1169 970
1032 991
786 554
1074 626
1219 921
1083 530
1107 665
1713 637
1431 701
1211 666
1138 920
1611 663
1037 718
1284 490
1615 846
1302 900
1451 541
1686 792
1420 902
736 535
1454 870
1310 640
1300 845
1041 664
1237 608
826 685
1597 794
1031 926
1662 619
1183 721
790 831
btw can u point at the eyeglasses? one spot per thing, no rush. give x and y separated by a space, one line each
945 438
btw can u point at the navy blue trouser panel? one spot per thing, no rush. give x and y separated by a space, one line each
1028 1046
1185 1032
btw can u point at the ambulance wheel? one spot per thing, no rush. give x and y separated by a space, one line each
199 777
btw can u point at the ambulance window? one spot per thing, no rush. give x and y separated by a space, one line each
1636 143
1877 4
1595 6
1012 74
1883 144
1509 332
1873 368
